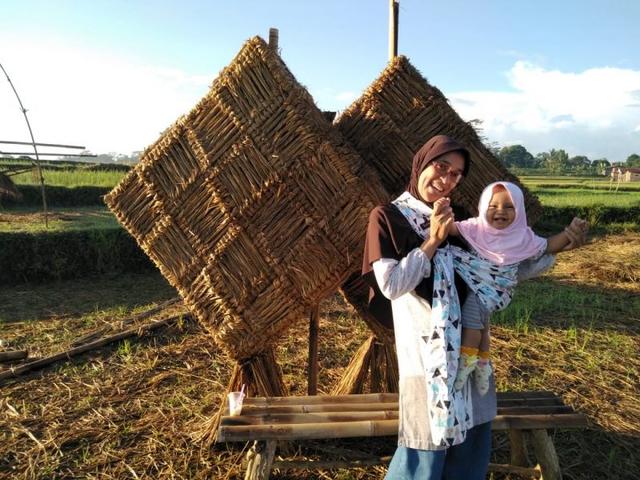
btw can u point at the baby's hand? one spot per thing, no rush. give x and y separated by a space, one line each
442 206
579 224
577 233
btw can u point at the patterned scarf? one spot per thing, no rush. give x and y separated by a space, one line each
493 284
450 412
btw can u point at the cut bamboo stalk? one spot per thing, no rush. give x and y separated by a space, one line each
95 334
320 413
376 428
297 418
12 355
314 326
68 354
315 399
319 407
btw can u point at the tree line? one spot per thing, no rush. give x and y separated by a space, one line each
558 161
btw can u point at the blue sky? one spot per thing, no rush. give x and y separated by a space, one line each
112 74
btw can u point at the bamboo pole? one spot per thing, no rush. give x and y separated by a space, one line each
51 154
95 334
77 147
314 326
273 38
368 428
330 407
260 459
518 447
291 408
393 29
315 399
546 455
12 355
299 418
375 428
68 354
35 148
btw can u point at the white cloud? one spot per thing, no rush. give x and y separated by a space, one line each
78 96
587 113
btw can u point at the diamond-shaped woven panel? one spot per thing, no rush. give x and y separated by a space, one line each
252 205
397 114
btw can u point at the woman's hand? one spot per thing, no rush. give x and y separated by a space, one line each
440 223
576 232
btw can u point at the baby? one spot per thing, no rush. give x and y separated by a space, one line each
501 240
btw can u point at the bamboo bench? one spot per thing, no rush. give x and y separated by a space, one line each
265 421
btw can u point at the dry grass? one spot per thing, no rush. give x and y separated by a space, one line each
134 410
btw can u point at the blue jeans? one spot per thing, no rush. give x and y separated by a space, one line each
466 461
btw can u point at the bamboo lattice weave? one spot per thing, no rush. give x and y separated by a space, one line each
397 114
251 205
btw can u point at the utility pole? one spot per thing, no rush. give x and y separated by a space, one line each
394 7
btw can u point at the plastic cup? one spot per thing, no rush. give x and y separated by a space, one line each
235 403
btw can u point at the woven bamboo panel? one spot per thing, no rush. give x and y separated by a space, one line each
397 114
252 205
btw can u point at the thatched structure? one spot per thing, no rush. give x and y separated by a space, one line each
253 207
391 120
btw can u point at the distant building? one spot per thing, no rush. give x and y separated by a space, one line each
622 174
631 175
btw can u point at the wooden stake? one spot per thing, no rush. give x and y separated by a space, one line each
518 448
260 460
273 38
393 28
314 325
546 455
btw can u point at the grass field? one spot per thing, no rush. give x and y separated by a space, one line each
135 409
71 178
582 191
59 219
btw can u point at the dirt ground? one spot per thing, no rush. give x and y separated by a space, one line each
137 408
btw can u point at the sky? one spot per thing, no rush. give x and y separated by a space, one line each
111 75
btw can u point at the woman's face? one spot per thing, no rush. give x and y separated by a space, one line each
441 176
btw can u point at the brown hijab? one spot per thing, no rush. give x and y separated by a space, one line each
434 148
389 235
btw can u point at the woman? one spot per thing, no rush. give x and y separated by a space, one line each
443 433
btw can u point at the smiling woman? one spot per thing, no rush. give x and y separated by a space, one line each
407 264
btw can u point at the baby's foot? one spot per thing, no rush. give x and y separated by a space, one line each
481 376
465 367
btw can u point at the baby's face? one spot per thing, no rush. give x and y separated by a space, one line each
501 212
